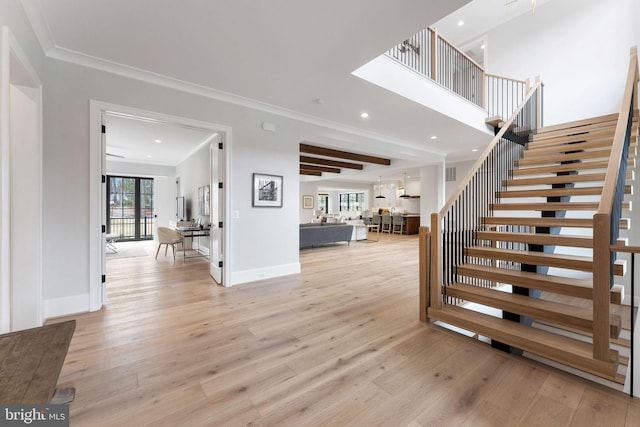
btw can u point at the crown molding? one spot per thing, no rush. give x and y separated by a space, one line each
51 50
39 24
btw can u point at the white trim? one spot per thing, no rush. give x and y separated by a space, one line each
73 57
5 212
39 24
96 154
57 307
265 273
10 46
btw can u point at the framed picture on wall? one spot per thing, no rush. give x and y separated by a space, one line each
267 191
307 202
206 199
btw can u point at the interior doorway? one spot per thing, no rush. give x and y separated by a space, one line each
98 187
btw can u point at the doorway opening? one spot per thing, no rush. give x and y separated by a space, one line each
163 201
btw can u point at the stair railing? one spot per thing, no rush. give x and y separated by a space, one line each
434 57
454 226
606 219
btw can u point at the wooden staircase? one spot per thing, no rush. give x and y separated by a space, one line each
535 244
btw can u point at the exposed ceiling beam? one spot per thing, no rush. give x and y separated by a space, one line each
328 162
321 151
319 168
308 172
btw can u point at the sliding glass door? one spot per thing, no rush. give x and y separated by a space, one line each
130 212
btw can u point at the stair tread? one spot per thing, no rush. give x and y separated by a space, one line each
578 166
560 179
571 262
557 284
553 206
561 349
559 158
625 223
551 192
556 179
541 222
590 124
570 143
538 239
535 308
580 288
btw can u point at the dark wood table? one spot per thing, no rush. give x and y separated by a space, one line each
31 361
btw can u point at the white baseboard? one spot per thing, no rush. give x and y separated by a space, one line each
57 307
238 277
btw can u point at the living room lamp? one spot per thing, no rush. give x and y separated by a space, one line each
380 196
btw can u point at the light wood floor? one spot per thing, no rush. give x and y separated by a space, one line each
337 345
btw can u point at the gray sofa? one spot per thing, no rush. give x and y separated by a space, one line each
320 234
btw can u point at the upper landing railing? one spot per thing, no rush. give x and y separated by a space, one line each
432 56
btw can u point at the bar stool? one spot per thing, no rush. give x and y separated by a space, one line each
377 221
386 223
398 221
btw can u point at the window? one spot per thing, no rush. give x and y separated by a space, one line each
323 202
351 202
130 207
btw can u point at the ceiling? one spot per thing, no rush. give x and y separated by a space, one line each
141 140
284 56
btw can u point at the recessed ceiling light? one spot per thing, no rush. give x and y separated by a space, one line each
149 156
434 137
474 150
157 141
482 47
364 115
460 23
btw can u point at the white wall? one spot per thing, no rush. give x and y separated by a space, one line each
580 49
253 254
194 172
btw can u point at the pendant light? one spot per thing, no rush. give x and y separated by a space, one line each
380 196
404 193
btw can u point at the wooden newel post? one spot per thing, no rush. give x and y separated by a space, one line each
601 285
435 291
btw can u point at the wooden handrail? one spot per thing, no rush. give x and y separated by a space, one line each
611 177
505 78
627 249
602 219
496 139
433 30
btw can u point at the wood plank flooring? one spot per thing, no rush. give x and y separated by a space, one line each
338 345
